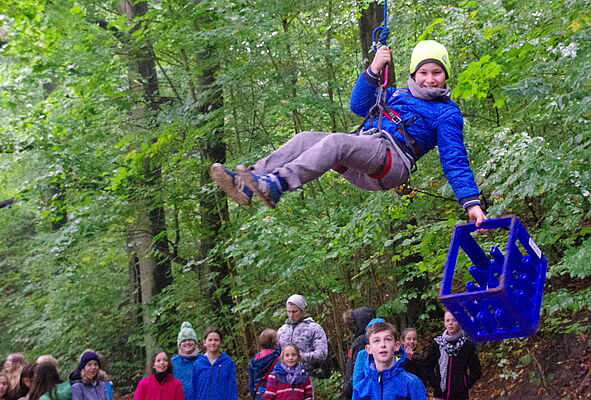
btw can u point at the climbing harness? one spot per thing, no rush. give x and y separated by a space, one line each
409 146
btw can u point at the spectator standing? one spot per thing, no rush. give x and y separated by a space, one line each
357 320
289 379
161 384
3 385
452 361
415 363
48 385
262 363
13 366
27 377
183 362
214 374
91 385
304 332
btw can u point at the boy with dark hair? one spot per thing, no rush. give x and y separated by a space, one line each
357 321
385 378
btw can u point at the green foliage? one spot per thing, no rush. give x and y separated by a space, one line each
81 161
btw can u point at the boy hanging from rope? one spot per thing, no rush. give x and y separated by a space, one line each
382 154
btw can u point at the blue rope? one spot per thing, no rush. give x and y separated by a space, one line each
382 31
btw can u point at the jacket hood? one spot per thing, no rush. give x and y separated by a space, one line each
373 321
262 364
75 376
305 319
222 359
361 317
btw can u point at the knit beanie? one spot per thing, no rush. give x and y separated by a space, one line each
428 51
87 357
186 333
297 300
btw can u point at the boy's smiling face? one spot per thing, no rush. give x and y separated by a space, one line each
382 346
430 75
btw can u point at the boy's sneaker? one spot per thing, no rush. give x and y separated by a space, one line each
266 186
231 183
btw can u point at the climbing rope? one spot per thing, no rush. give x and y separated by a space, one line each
380 36
382 31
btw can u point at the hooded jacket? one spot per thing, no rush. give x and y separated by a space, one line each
361 317
259 364
182 369
149 388
390 384
363 359
63 391
214 382
437 123
93 390
310 339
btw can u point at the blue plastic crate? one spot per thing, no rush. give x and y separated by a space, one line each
504 298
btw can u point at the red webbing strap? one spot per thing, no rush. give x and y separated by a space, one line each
387 167
264 378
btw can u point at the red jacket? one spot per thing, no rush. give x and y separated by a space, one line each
279 389
149 388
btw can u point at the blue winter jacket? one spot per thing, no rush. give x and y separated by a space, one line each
438 123
214 382
257 368
182 369
389 384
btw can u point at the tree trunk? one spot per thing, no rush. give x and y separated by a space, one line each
371 18
150 221
213 209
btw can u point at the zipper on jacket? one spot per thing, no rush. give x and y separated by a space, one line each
449 378
381 385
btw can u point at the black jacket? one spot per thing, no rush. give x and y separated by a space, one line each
462 372
417 366
361 317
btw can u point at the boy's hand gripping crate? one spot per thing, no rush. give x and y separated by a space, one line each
504 298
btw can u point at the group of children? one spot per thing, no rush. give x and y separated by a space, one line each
451 365
273 373
41 380
385 367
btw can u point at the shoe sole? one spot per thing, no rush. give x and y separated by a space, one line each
226 183
251 183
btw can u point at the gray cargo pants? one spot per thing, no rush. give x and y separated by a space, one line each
308 155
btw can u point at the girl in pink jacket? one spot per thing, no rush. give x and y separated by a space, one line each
161 384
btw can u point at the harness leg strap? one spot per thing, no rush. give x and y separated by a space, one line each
386 168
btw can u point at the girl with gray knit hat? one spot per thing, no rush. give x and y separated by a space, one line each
182 363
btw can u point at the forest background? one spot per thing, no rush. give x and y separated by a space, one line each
111 113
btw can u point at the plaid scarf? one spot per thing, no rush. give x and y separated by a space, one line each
449 346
